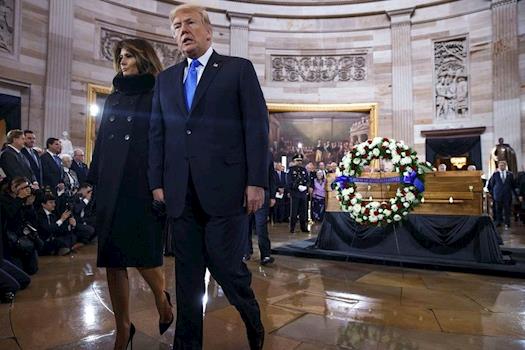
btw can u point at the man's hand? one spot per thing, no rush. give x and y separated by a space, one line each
272 202
254 198
61 187
72 222
65 215
158 194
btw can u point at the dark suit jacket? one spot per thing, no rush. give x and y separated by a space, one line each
15 164
51 172
502 191
49 229
36 165
222 140
81 171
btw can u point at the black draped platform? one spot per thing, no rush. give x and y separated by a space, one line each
455 243
466 238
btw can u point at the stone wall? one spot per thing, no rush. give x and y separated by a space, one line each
429 64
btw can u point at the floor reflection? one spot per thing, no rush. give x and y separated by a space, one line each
306 304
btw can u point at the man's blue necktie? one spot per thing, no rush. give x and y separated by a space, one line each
58 161
190 85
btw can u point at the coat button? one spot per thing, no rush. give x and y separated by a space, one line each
111 136
127 137
112 118
188 132
129 118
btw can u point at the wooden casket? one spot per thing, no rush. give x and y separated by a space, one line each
446 193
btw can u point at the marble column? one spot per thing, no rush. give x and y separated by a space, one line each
506 75
402 103
239 33
58 73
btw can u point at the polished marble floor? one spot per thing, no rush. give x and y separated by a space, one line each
306 304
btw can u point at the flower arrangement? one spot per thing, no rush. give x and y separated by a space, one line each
368 211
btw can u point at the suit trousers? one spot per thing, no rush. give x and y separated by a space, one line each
299 207
261 229
202 241
502 212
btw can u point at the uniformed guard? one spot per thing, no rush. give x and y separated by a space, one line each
298 182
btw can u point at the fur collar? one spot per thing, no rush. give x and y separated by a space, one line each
134 84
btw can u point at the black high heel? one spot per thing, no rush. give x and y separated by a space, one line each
163 327
131 335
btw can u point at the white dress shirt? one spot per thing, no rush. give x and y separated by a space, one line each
203 60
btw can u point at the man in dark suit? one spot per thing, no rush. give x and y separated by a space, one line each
208 161
78 166
32 155
298 185
52 171
501 187
280 212
12 161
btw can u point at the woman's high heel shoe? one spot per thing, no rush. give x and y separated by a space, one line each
163 327
131 335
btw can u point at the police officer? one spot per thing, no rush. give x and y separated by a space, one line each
298 182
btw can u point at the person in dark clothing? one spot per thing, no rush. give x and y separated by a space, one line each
261 219
79 167
57 235
52 171
84 208
129 235
501 187
12 161
280 214
12 278
16 202
298 185
32 155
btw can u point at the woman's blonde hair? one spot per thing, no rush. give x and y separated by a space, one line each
144 53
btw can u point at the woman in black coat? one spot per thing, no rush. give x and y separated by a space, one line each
129 234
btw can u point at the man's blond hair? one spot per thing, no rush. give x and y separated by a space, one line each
191 8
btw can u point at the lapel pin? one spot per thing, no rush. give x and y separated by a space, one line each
215 65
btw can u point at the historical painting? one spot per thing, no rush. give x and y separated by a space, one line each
320 136
451 93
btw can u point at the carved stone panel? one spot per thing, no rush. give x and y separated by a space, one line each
168 54
7 26
451 90
350 67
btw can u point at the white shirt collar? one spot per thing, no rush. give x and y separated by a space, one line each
52 154
47 211
13 147
204 58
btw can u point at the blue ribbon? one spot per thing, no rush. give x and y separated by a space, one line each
412 179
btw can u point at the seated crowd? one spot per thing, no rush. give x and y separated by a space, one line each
46 208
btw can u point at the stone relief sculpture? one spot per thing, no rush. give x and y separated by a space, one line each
169 54
319 68
7 25
451 79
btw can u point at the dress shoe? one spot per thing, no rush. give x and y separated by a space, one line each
267 260
256 339
163 327
7 298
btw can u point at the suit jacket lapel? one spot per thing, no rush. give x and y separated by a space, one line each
178 91
213 66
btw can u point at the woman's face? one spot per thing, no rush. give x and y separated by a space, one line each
319 176
128 63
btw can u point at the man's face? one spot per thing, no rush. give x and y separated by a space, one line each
18 142
49 205
502 166
79 156
56 147
191 34
30 140
321 166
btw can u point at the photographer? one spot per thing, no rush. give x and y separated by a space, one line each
84 212
58 234
18 222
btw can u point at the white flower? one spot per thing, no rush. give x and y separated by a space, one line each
405 213
406 204
353 201
380 216
410 196
357 208
358 220
358 154
359 196
374 204
377 140
406 189
394 207
376 152
389 221
386 144
356 161
397 217
351 190
396 159
351 173
387 212
372 219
